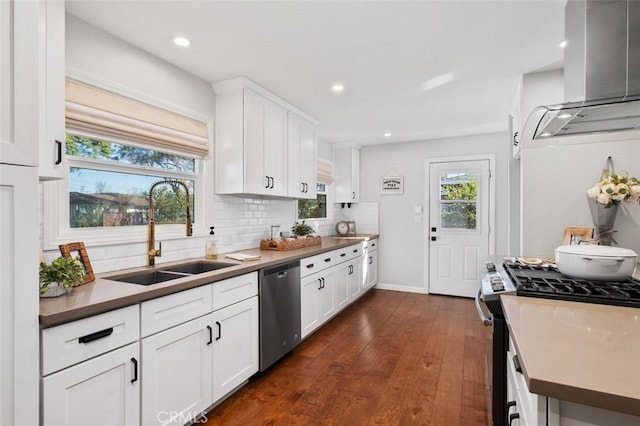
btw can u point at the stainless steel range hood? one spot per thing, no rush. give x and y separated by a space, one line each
601 74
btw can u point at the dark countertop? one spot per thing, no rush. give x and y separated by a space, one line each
104 295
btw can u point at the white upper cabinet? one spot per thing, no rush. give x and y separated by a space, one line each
301 157
19 82
347 174
52 92
251 141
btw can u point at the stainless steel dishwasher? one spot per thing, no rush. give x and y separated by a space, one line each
279 311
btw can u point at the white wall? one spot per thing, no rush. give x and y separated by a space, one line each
402 242
555 180
240 221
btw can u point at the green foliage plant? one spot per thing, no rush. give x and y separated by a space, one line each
301 229
66 271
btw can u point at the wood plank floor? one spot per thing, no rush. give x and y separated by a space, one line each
391 358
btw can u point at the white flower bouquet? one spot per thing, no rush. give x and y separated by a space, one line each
613 189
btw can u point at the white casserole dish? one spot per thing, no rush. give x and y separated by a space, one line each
593 262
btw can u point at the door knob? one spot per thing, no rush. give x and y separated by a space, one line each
434 238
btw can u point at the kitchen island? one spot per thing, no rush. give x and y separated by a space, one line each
581 353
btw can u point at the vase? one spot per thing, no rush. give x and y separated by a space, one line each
603 219
55 290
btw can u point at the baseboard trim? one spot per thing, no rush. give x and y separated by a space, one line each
404 288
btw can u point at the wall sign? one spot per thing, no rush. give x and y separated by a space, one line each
392 185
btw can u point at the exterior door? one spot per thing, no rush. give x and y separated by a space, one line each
458 230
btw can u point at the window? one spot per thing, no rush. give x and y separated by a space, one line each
117 146
458 200
118 195
314 209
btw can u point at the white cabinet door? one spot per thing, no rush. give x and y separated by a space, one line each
177 373
20 82
327 296
372 269
265 146
19 307
52 92
301 154
101 391
309 312
235 346
355 279
341 280
347 175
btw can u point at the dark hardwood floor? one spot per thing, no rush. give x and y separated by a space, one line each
391 358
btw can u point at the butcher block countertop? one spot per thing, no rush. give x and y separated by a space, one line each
103 294
581 352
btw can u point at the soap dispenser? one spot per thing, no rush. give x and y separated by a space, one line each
211 251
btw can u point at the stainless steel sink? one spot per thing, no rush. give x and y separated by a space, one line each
198 267
168 273
147 277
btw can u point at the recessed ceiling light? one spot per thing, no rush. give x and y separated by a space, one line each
437 81
387 135
564 116
337 87
563 44
181 41
545 134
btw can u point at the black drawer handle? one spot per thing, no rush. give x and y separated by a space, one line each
95 336
135 370
355 251
328 259
319 284
311 265
219 330
58 152
516 364
510 404
343 254
210 335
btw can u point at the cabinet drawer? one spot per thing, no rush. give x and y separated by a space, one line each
348 253
311 265
68 344
173 309
233 290
371 245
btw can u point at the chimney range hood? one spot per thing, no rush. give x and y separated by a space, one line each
601 74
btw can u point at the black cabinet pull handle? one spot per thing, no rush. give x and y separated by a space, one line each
355 251
343 254
219 330
210 335
95 336
135 370
353 197
58 152
512 417
516 364
302 190
370 260
311 265
319 284
272 182
267 185
434 238
328 259
515 140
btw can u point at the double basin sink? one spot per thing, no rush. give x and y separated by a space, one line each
168 273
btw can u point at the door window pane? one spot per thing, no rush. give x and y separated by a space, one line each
458 200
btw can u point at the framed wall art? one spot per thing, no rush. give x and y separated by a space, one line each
392 185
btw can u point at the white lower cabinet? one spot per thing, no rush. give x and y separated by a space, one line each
342 285
235 346
355 279
317 300
101 391
177 380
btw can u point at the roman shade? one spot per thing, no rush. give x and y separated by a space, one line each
324 170
100 113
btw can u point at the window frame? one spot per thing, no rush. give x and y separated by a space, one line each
55 194
329 194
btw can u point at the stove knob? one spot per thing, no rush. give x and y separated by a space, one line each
491 267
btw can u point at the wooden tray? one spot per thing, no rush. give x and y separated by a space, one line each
291 244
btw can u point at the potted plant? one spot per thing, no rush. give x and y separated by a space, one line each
301 229
61 275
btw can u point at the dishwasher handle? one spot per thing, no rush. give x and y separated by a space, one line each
487 320
281 270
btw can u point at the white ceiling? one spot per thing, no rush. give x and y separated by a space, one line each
387 55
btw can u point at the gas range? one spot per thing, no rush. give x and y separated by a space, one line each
514 277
